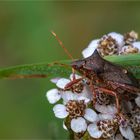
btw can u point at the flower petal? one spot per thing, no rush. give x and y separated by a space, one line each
55 80
64 126
90 49
118 37
105 116
127 133
137 100
129 49
136 45
123 49
94 131
86 93
78 125
91 115
53 96
86 100
110 109
60 111
61 83
68 95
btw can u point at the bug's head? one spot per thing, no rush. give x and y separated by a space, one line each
91 64
83 63
78 64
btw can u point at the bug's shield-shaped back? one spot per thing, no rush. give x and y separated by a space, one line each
106 71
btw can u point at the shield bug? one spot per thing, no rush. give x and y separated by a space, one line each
107 77
103 75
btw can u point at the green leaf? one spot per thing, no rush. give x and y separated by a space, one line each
41 70
63 69
125 60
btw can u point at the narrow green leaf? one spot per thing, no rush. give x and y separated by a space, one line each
62 68
41 70
126 60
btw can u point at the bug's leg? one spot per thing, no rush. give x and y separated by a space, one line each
94 92
110 92
71 83
125 86
73 74
122 118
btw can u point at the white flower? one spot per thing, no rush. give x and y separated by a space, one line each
85 95
61 83
129 49
55 80
106 109
127 132
53 96
94 44
105 116
137 100
90 49
94 131
124 49
118 37
85 99
90 115
60 111
69 95
136 45
78 125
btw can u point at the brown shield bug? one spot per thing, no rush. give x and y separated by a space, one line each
107 77
103 75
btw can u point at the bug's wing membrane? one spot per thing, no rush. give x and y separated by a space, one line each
107 76
118 74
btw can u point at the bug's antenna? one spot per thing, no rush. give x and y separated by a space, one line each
61 44
66 51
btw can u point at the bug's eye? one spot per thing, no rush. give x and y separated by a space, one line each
124 71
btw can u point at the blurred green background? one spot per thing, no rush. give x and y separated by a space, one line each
25 38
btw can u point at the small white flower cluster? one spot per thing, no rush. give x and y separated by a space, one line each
114 44
99 120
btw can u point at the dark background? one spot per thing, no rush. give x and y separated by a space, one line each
25 38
